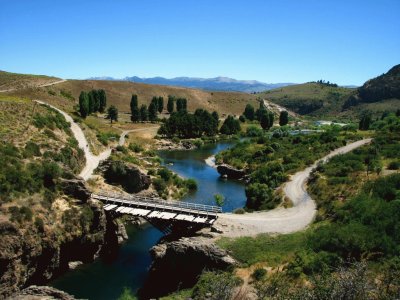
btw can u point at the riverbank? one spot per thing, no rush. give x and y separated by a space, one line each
282 220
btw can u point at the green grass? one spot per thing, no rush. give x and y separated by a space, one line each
274 250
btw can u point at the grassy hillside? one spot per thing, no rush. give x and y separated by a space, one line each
119 93
19 81
310 98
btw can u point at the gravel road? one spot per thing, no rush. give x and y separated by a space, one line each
281 220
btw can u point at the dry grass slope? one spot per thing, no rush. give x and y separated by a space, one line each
19 81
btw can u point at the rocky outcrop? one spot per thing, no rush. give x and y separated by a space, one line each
129 177
75 188
230 172
41 292
178 263
30 256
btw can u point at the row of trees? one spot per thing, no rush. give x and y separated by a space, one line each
265 117
186 125
181 104
145 113
93 101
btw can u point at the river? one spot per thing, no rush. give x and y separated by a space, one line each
107 279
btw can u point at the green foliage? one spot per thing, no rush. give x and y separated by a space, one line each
127 294
144 114
84 107
185 125
135 113
254 131
259 274
191 184
273 250
153 111
266 119
365 122
51 120
249 112
112 113
219 199
105 137
260 196
20 214
135 147
230 126
170 104
394 165
31 149
215 286
283 118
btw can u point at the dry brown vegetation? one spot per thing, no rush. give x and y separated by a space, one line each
119 94
19 81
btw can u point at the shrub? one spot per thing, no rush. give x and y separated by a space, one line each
394 165
31 149
259 274
191 184
135 147
239 211
159 185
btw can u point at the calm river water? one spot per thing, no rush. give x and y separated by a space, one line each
106 280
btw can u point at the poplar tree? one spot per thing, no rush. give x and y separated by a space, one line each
135 113
160 105
170 104
83 104
144 113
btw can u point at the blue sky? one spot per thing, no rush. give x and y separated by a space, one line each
346 42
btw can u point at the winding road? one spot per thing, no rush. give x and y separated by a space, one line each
281 220
41 85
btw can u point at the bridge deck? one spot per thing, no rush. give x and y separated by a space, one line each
156 208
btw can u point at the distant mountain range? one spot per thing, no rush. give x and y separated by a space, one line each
212 84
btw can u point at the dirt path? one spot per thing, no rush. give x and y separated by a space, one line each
275 107
92 161
41 85
281 220
121 141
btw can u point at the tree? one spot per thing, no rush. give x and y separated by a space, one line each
365 121
215 116
135 113
83 104
264 120
153 111
170 104
184 104
112 113
92 101
219 199
160 104
179 104
230 126
144 115
283 118
103 100
249 112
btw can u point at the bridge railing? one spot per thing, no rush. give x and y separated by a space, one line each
165 203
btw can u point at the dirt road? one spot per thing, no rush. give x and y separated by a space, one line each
281 220
92 161
41 85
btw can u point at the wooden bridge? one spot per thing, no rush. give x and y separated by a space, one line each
168 216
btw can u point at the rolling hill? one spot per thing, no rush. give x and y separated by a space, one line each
66 94
210 84
10 81
377 95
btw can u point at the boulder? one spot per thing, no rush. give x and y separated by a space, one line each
183 260
75 188
129 177
35 292
228 171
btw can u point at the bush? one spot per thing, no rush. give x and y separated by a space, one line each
239 211
215 286
160 185
191 184
259 274
31 149
135 147
394 165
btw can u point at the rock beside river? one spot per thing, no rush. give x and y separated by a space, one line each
35 292
178 263
230 172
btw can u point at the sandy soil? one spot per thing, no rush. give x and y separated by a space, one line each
281 220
